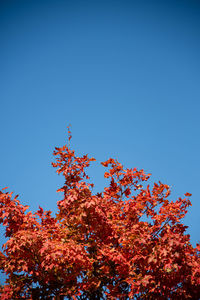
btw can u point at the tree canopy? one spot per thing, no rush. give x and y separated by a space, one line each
126 242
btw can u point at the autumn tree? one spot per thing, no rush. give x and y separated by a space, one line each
126 242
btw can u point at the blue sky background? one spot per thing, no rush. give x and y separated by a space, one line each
125 74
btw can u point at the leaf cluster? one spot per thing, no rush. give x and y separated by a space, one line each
127 242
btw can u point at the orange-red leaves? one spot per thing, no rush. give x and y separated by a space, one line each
105 164
126 241
188 195
92 159
5 188
106 175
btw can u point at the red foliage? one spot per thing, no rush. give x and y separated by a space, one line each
124 243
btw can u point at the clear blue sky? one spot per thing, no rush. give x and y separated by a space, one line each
125 74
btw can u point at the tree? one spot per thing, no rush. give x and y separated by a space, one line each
127 242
